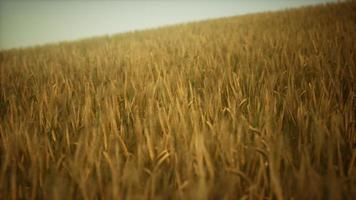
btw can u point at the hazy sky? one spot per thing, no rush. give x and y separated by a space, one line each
27 23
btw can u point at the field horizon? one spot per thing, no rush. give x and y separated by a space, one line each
257 106
154 27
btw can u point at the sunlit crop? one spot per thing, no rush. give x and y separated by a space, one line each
259 106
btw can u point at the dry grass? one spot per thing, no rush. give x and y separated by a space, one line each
253 107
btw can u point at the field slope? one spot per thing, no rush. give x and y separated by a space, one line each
259 106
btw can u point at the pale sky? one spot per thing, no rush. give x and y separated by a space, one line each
34 22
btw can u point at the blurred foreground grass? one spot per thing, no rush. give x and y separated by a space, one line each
252 107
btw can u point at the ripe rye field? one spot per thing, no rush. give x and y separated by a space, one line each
259 106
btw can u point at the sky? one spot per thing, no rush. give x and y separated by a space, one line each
25 23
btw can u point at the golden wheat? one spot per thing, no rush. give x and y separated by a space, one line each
259 106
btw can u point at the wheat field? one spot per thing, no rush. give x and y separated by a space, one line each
258 106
